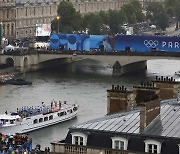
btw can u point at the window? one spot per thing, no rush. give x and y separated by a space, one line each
41 120
46 119
50 117
119 143
35 121
152 146
79 138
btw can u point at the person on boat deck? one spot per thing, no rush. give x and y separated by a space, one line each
59 104
6 112
43 104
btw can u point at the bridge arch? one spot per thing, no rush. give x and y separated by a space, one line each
10 62
25 62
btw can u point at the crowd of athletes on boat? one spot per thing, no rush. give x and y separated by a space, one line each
31 111
17 143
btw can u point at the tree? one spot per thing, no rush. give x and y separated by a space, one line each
138 11
130 13
170 6
104 16
133 11
114 21
70 19
177 10
163 20
77 22
157 15
93 23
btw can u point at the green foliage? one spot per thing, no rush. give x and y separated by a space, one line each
173 8
93 23
70 20
133 12
177 10
170 6
156 13
109 22
104 16
130 13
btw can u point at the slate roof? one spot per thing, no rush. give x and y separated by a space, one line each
165 125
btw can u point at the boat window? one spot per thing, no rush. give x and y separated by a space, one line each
46 119
6 120
3 121
11 121
50 117
62 113
41 120
35 121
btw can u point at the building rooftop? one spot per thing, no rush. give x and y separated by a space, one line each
165 125
34 1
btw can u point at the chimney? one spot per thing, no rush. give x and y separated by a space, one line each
168 87
144 90
149 110
119 99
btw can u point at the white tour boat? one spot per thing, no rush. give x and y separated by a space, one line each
27 119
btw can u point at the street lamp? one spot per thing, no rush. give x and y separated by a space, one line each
58 18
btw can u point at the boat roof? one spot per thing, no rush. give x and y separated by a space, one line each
165 125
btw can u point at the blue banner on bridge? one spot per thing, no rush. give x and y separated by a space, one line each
80 42
147 43
140 43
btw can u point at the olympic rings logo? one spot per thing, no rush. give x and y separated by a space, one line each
151 43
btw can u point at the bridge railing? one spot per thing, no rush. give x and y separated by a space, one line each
68 52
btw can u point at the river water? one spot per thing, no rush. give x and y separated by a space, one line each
85 83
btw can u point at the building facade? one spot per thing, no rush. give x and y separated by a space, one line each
19 17
8 17
98 5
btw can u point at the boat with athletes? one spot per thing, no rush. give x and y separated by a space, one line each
27 119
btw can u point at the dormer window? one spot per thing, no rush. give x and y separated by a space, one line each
152 146
119 143
79 138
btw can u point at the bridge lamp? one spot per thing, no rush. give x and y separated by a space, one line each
58 19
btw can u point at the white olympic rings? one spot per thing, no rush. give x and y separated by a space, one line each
151 43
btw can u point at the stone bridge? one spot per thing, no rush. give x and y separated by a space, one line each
121 63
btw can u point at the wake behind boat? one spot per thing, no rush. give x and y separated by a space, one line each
27 119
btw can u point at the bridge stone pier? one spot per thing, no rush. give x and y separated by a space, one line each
121 64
